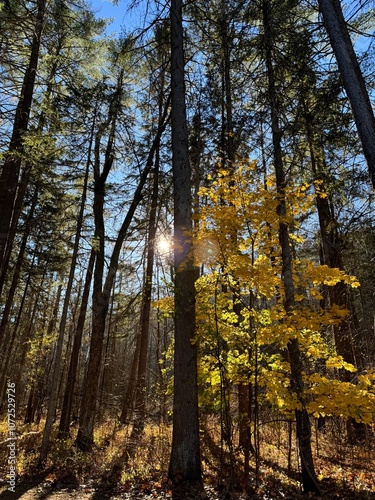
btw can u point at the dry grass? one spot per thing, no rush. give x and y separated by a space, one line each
118 463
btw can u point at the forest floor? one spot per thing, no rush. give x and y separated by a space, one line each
120 468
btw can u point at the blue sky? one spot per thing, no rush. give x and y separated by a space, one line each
119 13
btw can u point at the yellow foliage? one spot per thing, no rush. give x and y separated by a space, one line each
338 363
237 242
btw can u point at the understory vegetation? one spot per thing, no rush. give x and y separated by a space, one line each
120 465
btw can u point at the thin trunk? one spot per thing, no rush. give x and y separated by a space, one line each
332 257
140 395
7 355
53 393
340 293
69 391
25 178
73 366
354 82
309 480
16 274
101 294
185 463
107 362
128 404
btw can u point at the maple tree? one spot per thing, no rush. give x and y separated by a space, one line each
252 264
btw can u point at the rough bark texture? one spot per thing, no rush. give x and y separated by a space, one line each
11 168
309 479
185 465
352 77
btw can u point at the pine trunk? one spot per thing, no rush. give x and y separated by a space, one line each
66 411
354 82
102 292
140 395
185 465
12 164
309 479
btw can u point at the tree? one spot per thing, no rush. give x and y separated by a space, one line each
184 465
158 87
254 263
354 82
12 164
102 285
310 482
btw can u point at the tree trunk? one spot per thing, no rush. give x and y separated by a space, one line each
73 366
25 178
332 257
69 390
15 277
354 82
101 294
11 168
54 392
338 294
185 464
128 403
309 480
14 335
140 394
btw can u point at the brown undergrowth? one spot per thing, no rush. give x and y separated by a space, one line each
120 465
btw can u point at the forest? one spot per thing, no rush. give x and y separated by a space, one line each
187 250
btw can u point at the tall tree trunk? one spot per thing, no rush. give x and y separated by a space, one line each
101 294
128 403
15 278
12 164
140 395
25 177
66 411
332 257
185 464
72 373
339 294
309 479
56 374
105 375
100 297
9 343
354 82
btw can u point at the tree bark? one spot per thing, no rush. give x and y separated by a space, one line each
12 164
354 82
101 293
66 411
185 464
309 479
140 394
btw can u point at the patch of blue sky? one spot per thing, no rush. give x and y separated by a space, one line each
118 13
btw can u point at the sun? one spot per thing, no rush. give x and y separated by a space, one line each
163 244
